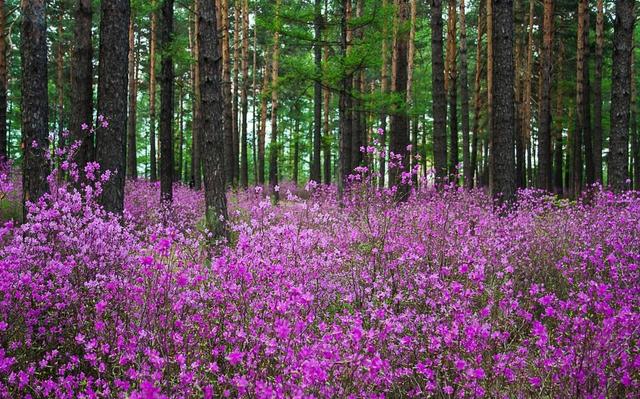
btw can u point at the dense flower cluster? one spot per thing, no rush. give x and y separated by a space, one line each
364 298
6 183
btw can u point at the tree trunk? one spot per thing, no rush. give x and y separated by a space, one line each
273 148
345 100
620 95
439 94
166 104
576 154
112 99
586 127
597 95
451 86
4 142
234 94
180 131
132 171
82 83
317 94
263 119
464 93
35 130
326 145
502 177
253 103
211 121
226 91
635 140
196 127
153 41
489 78
482 21
558 186
384 85
399 117
244 161
544 133
60 84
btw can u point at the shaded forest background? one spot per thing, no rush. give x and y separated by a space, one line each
297 76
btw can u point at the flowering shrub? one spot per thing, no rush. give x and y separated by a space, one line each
367 298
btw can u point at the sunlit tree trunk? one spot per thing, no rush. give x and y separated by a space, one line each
576 149
451 86
597 94
263 119
464 94
273 147
132 171
477 93
244 103
439 94
544 134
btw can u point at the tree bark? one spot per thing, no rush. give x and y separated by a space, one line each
82 83
226 91
317 94
166 104
234 94
399 117
263 120
60 84
502 179
439 95
211 121
482 22
34 100
345 104
244 103
587 138
451 86
112 99
384 87
153 41
132 171
273 148
196 127
635 140
326 144
4 142
576 154
558 185
597 94
464 94
620 95
544 135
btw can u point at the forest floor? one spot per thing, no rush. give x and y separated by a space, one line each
364 298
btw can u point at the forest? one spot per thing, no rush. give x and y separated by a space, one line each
319 199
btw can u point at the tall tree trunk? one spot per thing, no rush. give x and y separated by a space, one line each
234 94
153 41
399 117
196 127
132 167
576 154
180 130
558 185
586 127
410 106
82 83
477 108
60 82
112 99
326 144
226 91
273 150
620 95
35 119
166 104
345 100
254 73
635 140
489 78
451 86
356 101
439 94
263 119
244 161
464 93
317 94
525 131
502 178
597 94
4 142
211 121
544 133
384 85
